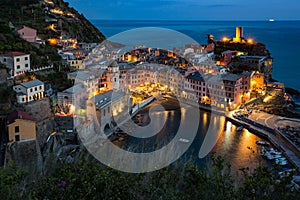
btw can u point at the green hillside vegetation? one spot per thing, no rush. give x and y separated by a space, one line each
32 13
89 180
42 56
36 14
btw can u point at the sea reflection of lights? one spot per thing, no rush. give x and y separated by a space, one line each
247 133
183 112
205 118
228 130
215 121
246 146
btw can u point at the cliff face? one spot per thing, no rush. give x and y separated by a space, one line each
40 14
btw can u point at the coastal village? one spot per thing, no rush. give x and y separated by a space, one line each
230 76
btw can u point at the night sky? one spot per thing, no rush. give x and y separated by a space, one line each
189 9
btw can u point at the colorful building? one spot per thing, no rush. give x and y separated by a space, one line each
21 127
27 33
195 87
76 63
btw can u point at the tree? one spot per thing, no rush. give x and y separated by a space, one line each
11 182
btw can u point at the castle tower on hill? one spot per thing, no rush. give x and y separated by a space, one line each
238 34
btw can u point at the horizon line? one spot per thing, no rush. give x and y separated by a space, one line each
266 20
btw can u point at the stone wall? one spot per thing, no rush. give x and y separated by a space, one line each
40 110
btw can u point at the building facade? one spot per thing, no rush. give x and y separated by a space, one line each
21 127
17 62
27 33
89 79
109 105
29 91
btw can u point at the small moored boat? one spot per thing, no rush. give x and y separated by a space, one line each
281 162
240 128
263 143
183 140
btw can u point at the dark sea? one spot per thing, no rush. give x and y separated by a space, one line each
282 38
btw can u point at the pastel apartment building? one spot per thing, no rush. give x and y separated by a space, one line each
195 87
228 90
27 33
29 91
77 63
21 127
17 62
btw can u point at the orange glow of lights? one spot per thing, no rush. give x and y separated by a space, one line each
225 39
52 27
52 41
250 41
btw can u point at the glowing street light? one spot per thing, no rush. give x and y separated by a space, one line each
250 41
225 39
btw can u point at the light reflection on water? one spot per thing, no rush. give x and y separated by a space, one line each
238 147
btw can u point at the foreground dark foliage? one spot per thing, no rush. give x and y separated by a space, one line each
88 180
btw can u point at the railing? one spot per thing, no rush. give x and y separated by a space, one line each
41 68
32 70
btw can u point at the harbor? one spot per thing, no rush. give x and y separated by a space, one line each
243 145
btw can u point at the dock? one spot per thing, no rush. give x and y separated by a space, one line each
289 151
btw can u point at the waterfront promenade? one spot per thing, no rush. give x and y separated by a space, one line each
261 123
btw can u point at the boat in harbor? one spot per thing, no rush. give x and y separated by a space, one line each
265 153
240 128
274 152
269 156
262 143
277 156
286 172
183 140
271 20
281 161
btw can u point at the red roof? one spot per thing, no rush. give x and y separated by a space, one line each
13 54
19 115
